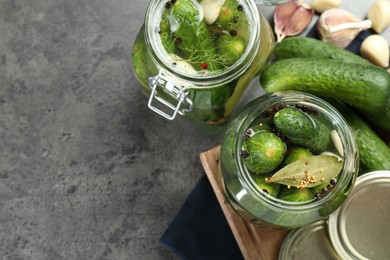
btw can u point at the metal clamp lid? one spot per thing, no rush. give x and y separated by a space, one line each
177 93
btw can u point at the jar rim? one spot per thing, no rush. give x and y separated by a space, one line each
157 51
347 139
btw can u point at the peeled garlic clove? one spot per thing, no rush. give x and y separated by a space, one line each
376 49
339 27
292 18
211 9
323 5
379 14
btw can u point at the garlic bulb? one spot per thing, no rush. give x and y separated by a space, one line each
376 49
211 9
379 14
322 5
339 27
292 18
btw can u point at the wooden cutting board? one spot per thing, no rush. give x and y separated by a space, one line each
255 241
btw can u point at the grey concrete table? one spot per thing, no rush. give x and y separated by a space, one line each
87 171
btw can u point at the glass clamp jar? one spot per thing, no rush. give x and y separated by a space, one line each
199 68
304 191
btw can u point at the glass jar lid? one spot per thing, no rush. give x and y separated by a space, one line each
308 242
360 228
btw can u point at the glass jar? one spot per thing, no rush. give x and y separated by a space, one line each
256 205
203 84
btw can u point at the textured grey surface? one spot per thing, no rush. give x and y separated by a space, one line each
86 170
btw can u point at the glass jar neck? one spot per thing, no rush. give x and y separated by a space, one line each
161 57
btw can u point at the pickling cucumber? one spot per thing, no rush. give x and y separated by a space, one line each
304 47
381 118
365 87
374 152
302 129
263 152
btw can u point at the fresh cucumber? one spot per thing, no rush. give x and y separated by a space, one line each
263 152
230 48
362 86
304 47
381 118
302 129
295 195
296 153
267 187
374 152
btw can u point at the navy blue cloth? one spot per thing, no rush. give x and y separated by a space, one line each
200 230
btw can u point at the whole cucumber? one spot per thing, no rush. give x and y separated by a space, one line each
304 47
381 118
374 152
362 86
302 129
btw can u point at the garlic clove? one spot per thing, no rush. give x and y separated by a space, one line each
321 6
376 49
379 14
211 9
292 18
282 15
339 27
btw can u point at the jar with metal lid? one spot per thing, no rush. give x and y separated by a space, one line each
359 229
287 191
196 58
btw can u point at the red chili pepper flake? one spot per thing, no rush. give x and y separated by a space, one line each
204 66
306 163
179 40
240 8
233 33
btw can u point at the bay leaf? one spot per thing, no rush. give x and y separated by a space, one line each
322 168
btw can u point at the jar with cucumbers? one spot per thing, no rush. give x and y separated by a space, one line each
195 58
288 159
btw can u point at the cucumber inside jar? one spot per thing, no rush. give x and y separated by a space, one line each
309 166
209 35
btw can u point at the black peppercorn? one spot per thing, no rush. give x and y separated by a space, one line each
233 33
244 154
179 40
